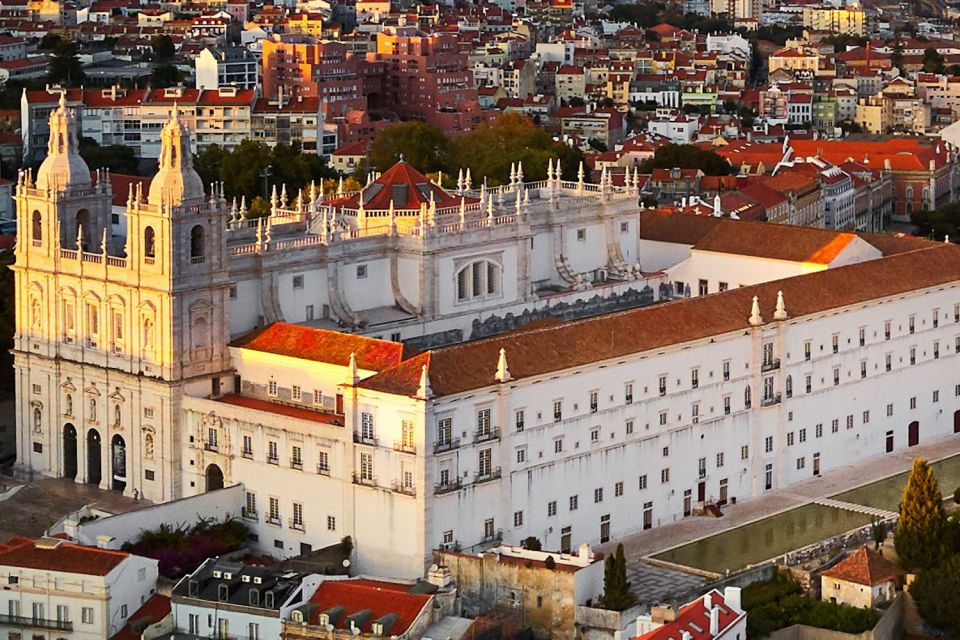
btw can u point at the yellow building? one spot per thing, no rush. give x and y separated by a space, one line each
794 60
848 20
871 114
310 24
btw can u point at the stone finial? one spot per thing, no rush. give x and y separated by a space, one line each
557 172
519 203
105 242
463 213
273 198
780 313
755 318
549 170
243 206
503 373
467 180
340 186
580 173
460 181
354 373
79 237
946 238
423 390
520 172
513 173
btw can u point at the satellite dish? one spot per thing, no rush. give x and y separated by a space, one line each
346 563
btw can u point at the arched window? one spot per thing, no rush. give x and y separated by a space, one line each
36 232
83 226
478 280
789 386
746 397
197 244
925 196
149 242
37 419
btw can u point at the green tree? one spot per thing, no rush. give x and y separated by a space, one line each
163 47
687 156
747 116
165 75
116 157
937 594
49 41
64 67
919 535
490 150
878 532
933 61
616 589
424 146
939 223
531 543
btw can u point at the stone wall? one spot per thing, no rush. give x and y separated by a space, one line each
890 627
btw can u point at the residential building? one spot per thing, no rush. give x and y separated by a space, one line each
849 20
709 617
56 588
296 66
221 66
863 579
570 83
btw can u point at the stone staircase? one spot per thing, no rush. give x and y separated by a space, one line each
857 508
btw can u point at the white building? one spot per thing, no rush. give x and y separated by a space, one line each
182 354
676 127
226 66
52 587
711 616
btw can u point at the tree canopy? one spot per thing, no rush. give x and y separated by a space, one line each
687 156
937 594
163 47
616 589
116 157
424 146
64 68
919 538
941 222
165 75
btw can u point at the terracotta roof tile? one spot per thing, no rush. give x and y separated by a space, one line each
320 345
64 557
381 598
866 567
283 409
695 620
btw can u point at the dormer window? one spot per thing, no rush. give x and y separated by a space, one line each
254 598
223 592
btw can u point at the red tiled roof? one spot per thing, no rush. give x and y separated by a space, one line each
381 598
866 567
64 557
153 610
283 409
775 242
405 186
320 345
468 366
694 618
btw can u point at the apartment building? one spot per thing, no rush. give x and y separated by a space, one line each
226 66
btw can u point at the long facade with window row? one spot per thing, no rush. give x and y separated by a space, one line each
168 362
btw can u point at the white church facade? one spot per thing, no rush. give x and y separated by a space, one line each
204 349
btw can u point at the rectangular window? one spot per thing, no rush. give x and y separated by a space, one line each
666 451
518 419
483 422
726 370
886 330
911 324
722 286
551 508
444 431
664 476
913 402
744 452
836 376
361 271
557 410
573 502
595 435
695 412
86 615
818 431
558 445
521 455
628 393
331 523
272 387
594 401
663 417
296 457
850 422
719 460
272 456
297 514
518 518
274 514
808 382
726 405
366 426
406 433
806 350
801 463
790 439
617 489
642 484
366 467
835 343
662 385
629 427
318 397
695 378
866 417
803 435
298 282
768 444
323 462
485 462
598 495
297 393
863 336
835 425
703 288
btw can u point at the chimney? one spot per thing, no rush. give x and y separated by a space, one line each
714 621
708 601
685 635
731 596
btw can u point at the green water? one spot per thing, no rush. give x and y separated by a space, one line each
887 493
764 539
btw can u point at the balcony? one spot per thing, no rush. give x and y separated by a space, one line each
323 469
296 525
479 478
296 464
359 438
35 623
770 400
494 536
274 520
399 487
273 460
247 454
484 435
770 365
369 481
249 514
405 447
446 487
210 446
447 445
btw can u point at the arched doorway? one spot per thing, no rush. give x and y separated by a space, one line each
956 421
214 478
93 457
69 451
118 456
913 434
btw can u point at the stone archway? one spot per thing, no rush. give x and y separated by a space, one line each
214 477
118 459
69 451
94 455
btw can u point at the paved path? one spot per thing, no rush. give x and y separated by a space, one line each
39 504
646 543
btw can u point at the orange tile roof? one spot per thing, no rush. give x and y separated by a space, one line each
776 242
866 567
153 610
695 620
64 557
320 345
468 366
283 409
380 597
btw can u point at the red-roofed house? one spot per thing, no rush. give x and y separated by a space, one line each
863 579
88 592
711 616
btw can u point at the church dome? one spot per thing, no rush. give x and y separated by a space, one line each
63 168
177 182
